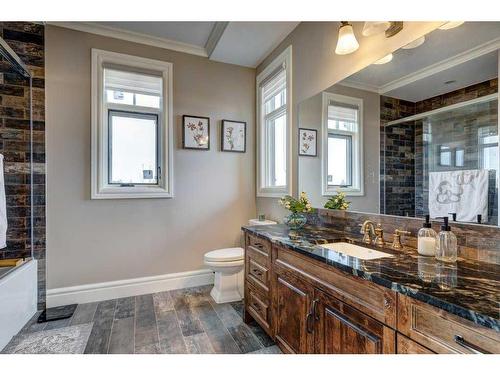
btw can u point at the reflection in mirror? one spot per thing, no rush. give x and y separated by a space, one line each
414 136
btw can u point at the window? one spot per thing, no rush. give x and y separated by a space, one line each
131 127
342 140
488 147
274 118
445 156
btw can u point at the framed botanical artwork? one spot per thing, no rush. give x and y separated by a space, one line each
308 142
195 132
233 136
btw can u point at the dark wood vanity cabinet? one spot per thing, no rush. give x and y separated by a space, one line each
341 329
309 307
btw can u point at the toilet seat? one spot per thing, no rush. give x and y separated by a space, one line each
232 254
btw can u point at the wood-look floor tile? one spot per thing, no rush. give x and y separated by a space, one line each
146 330
261 335
122 336
227 314
169 331
269 350
33 325
217 333
60 323
163 301
148 349
238 307
198 344
244 338
103 320
189 323
125 308
84 313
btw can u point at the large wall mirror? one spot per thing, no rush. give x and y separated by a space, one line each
413 134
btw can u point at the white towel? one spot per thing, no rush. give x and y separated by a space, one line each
463 192
3 210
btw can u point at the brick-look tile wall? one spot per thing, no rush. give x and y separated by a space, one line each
404 175
27 40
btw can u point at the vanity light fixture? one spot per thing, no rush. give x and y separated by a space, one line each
416 43
346 42
450 25
375 27
384 60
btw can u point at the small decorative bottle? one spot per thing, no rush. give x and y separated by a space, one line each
446 244
426 239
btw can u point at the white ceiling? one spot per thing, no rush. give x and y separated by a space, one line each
394 78
240 43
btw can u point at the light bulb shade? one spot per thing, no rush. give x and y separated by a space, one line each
384 60
415 43
375 27
450 25
347 42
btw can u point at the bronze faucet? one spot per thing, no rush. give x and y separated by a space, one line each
396 243
371 234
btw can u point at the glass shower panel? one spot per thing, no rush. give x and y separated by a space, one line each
460 139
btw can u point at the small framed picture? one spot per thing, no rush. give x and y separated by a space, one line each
233 136
195 132
308 142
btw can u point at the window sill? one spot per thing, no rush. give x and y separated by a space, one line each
136 192
349 192
272 193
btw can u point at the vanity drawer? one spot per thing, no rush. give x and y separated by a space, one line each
443 332
257 306
371 299
257 274
259 244
407 346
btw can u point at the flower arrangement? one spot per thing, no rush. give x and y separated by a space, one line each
301 205
337 202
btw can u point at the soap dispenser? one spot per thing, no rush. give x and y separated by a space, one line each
427 239
446 244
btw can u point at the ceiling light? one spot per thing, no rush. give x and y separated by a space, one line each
450 25
384 60
347 42
375 27
415 43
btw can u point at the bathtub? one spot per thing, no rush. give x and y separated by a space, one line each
18 299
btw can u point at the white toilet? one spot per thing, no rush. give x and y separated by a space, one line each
228 267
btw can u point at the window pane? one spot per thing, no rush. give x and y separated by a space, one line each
120 97
444 156
147 100
490 158
276 135
275 102
339 160
133 148
343 118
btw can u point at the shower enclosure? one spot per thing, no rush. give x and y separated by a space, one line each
18 268
463 136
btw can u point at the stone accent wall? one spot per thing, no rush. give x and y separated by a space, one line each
475 242
397 156
27 40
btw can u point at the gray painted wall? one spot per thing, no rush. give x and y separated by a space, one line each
91 241
309 114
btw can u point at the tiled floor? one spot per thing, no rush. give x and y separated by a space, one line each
179 321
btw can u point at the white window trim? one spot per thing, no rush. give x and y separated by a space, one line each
357 168
99 181
275 192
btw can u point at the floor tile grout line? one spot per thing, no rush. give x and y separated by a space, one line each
156 323
112 325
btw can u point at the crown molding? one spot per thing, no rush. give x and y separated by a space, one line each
360 86
215 36
132 36
440 66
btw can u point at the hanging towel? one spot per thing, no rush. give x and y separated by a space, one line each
3 210
463 192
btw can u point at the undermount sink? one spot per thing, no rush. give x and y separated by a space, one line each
356 251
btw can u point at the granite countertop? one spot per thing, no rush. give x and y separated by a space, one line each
468 289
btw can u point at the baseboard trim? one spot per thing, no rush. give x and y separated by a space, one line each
127 288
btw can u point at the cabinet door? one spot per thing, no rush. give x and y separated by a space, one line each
342 329
292 299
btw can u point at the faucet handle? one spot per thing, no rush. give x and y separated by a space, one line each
379 235
396 242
